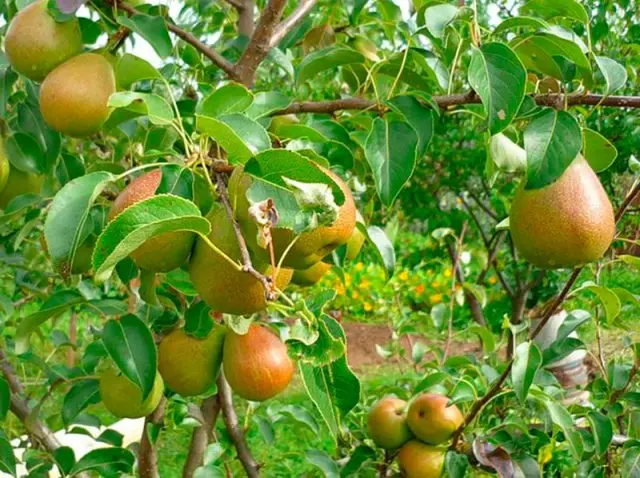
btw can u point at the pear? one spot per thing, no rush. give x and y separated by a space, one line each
35 43
565 224
74 96
18 183
4 166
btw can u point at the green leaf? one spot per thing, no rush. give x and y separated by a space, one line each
572 321
488 340
560 349
52 307
79 397
239 136
324 462
266 102
326 59
68 215
514 23
602 430
456 464
7 458
506 154
498 77
5 398
561 417
65 458
301 415
130 345
527 361
419 117
147 104
631 260
359 458
147 289
69 168
151 28
615 75
231 98
106 462
7 78
631 462
139 223
25 153
198 321
610 301
390 150
438 17
131 69
599 152
556 8
552 141
385 253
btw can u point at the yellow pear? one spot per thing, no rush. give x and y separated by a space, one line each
188 365
310 276
124 399
19 182
310 247
74 96
356 241
35 43
222 287
565 224
418 460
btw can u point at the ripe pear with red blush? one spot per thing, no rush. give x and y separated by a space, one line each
256 365
431 420
387 423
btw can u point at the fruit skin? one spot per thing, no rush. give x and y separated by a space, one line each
35 43
310 276
222 287
418 460
431 420
190 366
4 166
311 246
164 252
124 399
356 241
19 183
256 364
565 224
74 96
387 423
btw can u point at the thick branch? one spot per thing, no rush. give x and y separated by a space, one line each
259 46
202 436
235 430
245 19
269 291
147 455
237 4
291 21
445 101
213 55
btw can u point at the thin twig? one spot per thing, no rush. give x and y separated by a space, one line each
303 8
237 4
456 263
247 265
234 429
147 455
259 45
470 299
202 436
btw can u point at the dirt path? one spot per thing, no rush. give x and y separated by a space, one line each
362 340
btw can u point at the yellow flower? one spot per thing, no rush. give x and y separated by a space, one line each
364 284
419 289
435 298
347 279
492 280
404 275
355 294
447 273
339 289
368 307
435 284
359 267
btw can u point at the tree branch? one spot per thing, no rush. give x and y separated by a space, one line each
471 300
291 21
245 18
38 431
237 4
445 101
202 436
211 54
457 252
267 283
549 312
235 430
259 45
147 455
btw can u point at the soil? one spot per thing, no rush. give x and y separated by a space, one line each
363 338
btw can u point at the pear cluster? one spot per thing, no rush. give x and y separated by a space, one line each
419 430
256 365
76 86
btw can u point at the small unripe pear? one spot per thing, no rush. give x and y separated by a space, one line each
124 399
19 183
35 43
74 96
